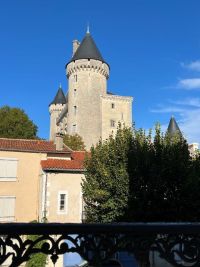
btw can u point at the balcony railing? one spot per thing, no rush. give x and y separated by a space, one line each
178 244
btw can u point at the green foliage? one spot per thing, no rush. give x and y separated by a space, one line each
158 171
75 142
134 177
38 259
14 123
106 185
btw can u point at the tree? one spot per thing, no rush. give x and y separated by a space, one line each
14 123
106 183
75 142
158 172
134 177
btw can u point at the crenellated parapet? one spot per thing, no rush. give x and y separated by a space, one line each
118 98
91 65
56 107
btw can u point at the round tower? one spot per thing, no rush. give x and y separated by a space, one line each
87 74
55 108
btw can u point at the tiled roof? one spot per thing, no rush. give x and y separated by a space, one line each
35 146
79 155
61 164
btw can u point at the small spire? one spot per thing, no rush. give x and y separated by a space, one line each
88 28
60 86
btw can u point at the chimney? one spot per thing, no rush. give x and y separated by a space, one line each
76 44
59 141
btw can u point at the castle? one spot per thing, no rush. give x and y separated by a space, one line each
88 109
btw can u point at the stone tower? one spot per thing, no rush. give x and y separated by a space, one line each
55 108
87 73
89 110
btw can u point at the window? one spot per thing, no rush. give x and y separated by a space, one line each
75 110
75 78
74 128
62 202
8 169
112 123
7 208
75 92
113 105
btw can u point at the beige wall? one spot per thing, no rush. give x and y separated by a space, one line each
64 182
122 112
26 187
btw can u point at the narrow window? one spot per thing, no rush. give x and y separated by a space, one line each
113 105
75 110
75 78
112 123
74 128
62 202
74 92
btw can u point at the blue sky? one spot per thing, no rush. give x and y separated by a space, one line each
152 47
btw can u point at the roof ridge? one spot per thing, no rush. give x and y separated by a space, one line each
23 139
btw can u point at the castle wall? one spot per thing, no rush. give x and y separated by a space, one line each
115 109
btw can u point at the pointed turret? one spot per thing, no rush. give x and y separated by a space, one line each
59 98
55 109
173 128
87 49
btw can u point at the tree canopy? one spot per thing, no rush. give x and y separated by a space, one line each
137 177
75 142
14 123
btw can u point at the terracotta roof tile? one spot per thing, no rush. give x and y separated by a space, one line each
27 145
61 164
79 155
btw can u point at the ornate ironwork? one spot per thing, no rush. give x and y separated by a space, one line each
179 244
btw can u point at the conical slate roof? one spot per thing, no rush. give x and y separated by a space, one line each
87 50
173 127
59 98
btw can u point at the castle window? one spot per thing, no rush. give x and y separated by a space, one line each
74 128
75 110
112 123
75 78
62 202
113 105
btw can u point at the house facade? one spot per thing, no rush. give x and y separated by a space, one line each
40 180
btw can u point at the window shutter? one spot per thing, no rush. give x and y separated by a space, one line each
8 168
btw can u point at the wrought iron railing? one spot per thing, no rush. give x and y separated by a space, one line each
178 244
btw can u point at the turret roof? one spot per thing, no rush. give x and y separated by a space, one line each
173 127
59 98
87 50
